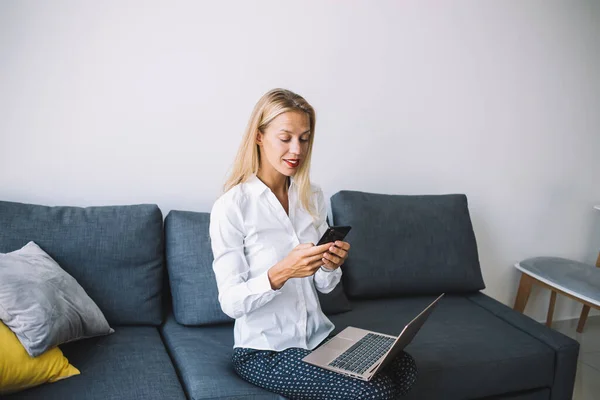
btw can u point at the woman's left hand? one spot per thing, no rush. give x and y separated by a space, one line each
336 255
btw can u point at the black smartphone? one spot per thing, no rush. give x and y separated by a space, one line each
334 233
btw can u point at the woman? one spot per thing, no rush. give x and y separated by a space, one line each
268 269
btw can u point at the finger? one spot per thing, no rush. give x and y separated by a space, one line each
305 246
329 264
338 251
309 269
342 245
318 249
333 258
314 258
314 266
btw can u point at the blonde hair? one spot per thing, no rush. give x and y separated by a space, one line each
272 104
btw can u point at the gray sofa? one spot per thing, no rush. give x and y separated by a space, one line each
154 283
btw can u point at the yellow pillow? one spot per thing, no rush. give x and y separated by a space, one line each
18 370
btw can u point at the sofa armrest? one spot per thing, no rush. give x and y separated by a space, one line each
566 349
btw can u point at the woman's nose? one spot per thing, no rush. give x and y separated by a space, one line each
295 147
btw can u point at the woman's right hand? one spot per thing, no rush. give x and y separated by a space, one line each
304 260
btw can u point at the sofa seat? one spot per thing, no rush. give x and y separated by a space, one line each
130 364
537 394
202 356
464 351
467 349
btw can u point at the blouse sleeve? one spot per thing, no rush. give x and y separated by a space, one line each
325 281
238 295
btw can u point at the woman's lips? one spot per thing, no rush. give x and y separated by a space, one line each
292 163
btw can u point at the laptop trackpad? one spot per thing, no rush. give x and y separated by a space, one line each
329 351
338 344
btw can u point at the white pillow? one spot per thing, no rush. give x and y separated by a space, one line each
42 304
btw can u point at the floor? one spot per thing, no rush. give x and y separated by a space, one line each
587 383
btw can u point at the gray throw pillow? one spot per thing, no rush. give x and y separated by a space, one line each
42 304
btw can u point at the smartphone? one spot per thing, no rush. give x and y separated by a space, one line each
334 233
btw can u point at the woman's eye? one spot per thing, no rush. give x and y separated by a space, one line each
289 140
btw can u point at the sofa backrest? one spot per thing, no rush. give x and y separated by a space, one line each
192 280
407 245
115 253
189 263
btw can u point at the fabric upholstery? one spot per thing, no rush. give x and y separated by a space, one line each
115 252
130 364
566 350
407 244
19 371
192 280
189 262
463 351
536 394
577 278
211 375
42 304
336 301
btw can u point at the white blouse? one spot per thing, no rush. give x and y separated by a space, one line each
250 232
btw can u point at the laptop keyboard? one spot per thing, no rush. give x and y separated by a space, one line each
363 353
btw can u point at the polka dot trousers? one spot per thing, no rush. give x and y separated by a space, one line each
285 373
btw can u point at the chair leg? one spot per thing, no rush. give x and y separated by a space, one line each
583 318
586 309
523 293
551 309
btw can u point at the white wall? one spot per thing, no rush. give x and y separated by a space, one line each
113 102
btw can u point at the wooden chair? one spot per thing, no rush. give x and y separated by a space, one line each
578 281
586 308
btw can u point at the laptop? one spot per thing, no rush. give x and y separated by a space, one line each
359 353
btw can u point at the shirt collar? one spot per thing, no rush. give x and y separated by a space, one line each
258 187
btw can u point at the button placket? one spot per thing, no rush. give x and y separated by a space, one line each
280 212
301 282
287 222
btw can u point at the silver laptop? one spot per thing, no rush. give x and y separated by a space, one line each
359 353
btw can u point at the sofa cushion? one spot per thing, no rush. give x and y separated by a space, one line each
115 253
334 302
536 394
132 363
202 356
463 350
566 349
192 279
189 262
407 244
